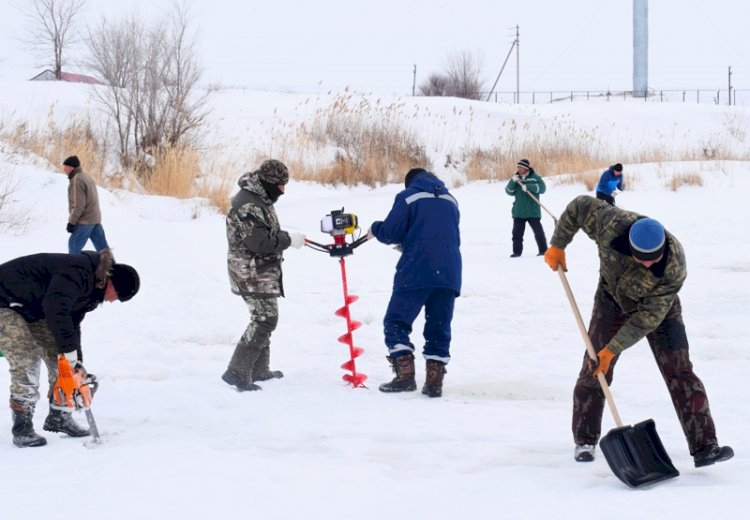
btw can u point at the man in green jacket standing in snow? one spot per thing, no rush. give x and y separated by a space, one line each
525 209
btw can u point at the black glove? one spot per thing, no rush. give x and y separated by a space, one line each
70 227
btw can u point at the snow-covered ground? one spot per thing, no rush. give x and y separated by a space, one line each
179 443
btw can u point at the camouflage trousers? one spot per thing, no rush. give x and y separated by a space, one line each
253 352
25 346
669 345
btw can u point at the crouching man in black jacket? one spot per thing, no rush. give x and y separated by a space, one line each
43 299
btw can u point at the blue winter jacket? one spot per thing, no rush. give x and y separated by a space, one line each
424 221
609 182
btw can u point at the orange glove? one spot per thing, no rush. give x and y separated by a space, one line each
555 257
604 358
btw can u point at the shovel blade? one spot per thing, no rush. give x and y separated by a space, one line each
636 455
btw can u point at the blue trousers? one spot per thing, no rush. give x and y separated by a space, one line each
404 308
84 232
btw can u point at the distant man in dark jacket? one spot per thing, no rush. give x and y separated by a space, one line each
642 269
525 209
84 215
256 245
423 223
43 299
610 184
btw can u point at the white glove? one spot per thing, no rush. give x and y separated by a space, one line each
524 188
298 239
615 193
72 358
369 235
517 178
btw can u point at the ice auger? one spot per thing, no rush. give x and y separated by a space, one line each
339 224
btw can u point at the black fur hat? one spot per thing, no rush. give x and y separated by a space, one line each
72 161
126 281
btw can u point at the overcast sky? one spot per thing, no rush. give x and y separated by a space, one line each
373 46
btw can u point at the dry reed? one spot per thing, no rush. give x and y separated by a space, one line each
55 143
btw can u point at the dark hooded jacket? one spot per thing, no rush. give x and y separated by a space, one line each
424 220
57 287
255 241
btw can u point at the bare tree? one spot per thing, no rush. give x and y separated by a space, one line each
115 56
461 78
152 77
464 72
51 31
435 85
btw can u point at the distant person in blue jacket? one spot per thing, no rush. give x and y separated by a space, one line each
423 224
610 184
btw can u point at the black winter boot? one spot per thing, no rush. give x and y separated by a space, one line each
404 381
240 369
433 385
62 422
261 370
712 454
243 383
24 435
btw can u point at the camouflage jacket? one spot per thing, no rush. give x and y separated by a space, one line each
644 295
255 241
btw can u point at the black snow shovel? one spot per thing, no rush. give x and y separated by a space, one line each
635 453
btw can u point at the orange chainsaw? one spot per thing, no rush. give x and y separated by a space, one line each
74 390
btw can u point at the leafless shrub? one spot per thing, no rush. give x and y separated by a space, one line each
152 76
436 84
371 145
712 148
461 78
678 180
735 121
12 218
54 143
173 173
51 29
588 178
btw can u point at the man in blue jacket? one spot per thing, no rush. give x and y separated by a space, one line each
423 224
610 184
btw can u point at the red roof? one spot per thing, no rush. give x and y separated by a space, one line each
48 75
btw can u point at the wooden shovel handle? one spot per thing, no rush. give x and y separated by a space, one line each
589 346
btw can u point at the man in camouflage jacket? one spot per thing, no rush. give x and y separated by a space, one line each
642 269
256 244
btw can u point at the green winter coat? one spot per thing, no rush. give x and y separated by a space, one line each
645 295
524 206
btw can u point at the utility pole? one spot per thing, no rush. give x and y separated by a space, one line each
510 51
729 90
414 82
518 66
